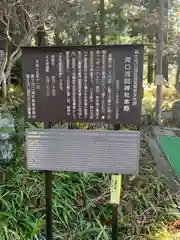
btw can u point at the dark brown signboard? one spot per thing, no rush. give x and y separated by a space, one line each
83 83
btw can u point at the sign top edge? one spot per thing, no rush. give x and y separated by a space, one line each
81 131
85 46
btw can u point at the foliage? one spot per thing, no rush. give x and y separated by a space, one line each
75 22
169 96
81 207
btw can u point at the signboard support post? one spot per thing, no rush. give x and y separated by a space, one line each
114 221
48 195
115 206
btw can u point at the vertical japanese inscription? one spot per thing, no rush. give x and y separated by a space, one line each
33 99
135 77
68 85
53 77
37 74
127 83
53 84
91 77
117 108
79 84
86 84
74 63
98 83
47 80
103 85
52 60
109 86
61 71
28 93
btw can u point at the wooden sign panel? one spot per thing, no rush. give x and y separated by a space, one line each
83 83
83 150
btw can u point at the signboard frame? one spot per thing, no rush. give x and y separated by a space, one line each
124 113
100 151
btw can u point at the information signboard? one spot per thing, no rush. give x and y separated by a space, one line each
83 83
102 151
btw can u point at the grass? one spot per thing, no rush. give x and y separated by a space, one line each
81 208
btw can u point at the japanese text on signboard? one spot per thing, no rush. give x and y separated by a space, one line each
101 84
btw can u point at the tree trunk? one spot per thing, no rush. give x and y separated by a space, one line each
3 81
41 37
178 71
4 86
165 67
159 60
58 41
150 68
150 59
93 35
102 25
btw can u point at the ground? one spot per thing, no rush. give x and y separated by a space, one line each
81 209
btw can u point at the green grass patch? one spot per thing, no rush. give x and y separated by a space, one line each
81 208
